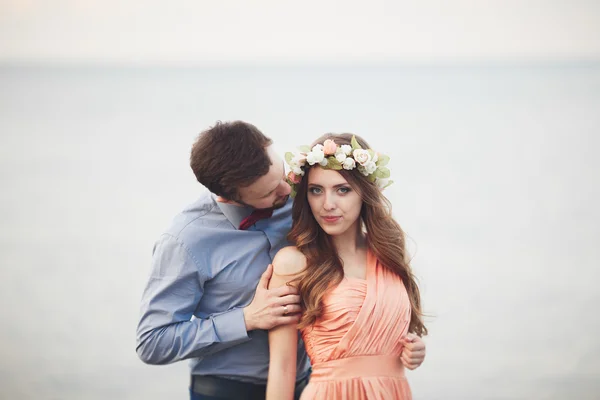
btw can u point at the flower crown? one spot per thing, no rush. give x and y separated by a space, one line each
331 156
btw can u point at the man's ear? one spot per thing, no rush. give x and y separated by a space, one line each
222 199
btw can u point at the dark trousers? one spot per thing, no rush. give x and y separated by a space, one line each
214 388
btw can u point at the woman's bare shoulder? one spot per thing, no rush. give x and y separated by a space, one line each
289 261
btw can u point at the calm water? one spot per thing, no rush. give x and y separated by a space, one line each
497 184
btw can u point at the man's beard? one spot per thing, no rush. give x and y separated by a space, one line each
276 205
280 203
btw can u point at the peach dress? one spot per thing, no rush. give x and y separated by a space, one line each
355 347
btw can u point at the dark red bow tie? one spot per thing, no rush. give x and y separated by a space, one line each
255 216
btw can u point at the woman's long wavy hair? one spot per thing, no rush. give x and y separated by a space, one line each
324 268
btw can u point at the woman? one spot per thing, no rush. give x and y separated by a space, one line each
358 294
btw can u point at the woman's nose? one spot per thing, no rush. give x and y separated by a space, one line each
329 202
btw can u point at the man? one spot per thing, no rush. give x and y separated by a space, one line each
200 302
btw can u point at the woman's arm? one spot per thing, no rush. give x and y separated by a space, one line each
283 347
283 340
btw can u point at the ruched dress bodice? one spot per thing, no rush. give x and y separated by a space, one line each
355 345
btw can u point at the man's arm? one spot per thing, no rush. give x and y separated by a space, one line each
267 308
166 331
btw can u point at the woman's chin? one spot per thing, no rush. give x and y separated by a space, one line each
332 230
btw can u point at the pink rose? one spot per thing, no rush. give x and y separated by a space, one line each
295 179
329 147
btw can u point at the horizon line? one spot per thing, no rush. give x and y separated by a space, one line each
431 63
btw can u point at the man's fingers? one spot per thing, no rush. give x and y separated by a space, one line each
285 310
266 277
284 291
288 299
290 309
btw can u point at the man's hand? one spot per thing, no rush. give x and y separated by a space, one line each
413 353
274 307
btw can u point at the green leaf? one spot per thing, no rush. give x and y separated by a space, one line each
288 157
388 184
382 161
354 143
304 149
294 187
333 163
382 172
371 178
371 153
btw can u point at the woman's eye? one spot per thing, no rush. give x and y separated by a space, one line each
344 190
315 190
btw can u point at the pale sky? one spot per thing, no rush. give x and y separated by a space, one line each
310 31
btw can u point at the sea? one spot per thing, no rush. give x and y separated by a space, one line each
496 173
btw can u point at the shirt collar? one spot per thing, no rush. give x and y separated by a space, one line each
233 212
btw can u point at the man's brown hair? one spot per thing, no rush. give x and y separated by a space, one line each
228 156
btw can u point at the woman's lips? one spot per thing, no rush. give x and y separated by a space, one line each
331 219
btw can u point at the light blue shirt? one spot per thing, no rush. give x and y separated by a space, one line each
204 271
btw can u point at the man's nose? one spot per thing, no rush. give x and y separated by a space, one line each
284 188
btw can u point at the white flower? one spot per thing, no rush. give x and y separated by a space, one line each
317 147
375 157
346 148
340 156
299 159
361 156
348 163
370 167
323 162
315 156
298 171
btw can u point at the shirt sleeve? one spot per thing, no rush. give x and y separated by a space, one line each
167 331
